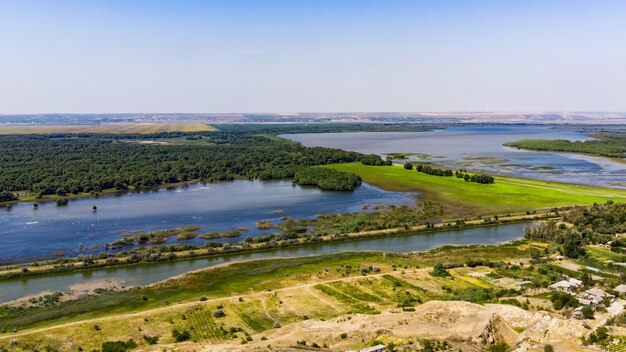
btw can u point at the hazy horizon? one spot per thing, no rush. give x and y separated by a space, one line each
107 57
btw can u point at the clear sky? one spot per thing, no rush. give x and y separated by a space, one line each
311 56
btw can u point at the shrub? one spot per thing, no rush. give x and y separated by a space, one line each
587 313
562 300
118 346
499 347
180 336
151 340
439 271
7 196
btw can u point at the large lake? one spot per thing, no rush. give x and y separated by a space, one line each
28 233
147 273
479 148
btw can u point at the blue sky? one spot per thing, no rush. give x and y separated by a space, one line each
306 56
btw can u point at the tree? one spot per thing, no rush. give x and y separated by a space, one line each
562 300
439 270
7 196
572 248
408 166
180 336
586 279
587 313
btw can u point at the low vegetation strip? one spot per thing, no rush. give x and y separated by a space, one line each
505 195
607 145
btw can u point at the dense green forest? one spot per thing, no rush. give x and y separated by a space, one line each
328 179
611 144
64 164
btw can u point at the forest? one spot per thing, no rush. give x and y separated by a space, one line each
63 164
328 179
611 144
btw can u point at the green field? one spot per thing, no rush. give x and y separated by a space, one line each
506 195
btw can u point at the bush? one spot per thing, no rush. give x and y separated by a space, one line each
439 271
499 347
151 340
118 346
219 313
587 313
562 300
7 196
408 166
180 336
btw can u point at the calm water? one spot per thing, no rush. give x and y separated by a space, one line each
147 273
479 148
28 233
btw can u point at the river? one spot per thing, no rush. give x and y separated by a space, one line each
147 273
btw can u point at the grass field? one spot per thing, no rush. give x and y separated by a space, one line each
505 195
255 296
143 128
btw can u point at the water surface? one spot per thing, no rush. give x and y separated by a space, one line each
27 233
147 273
479 148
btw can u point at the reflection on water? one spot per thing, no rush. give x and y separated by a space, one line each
147 273
479 148
26 232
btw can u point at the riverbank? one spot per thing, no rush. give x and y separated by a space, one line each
122 260
106 192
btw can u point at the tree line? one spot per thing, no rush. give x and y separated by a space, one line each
612 144
478 178
62 164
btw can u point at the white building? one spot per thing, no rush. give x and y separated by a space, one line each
595 295
620 289
377 348
566 285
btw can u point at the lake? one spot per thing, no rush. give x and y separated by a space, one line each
27 233
148 273
480 149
